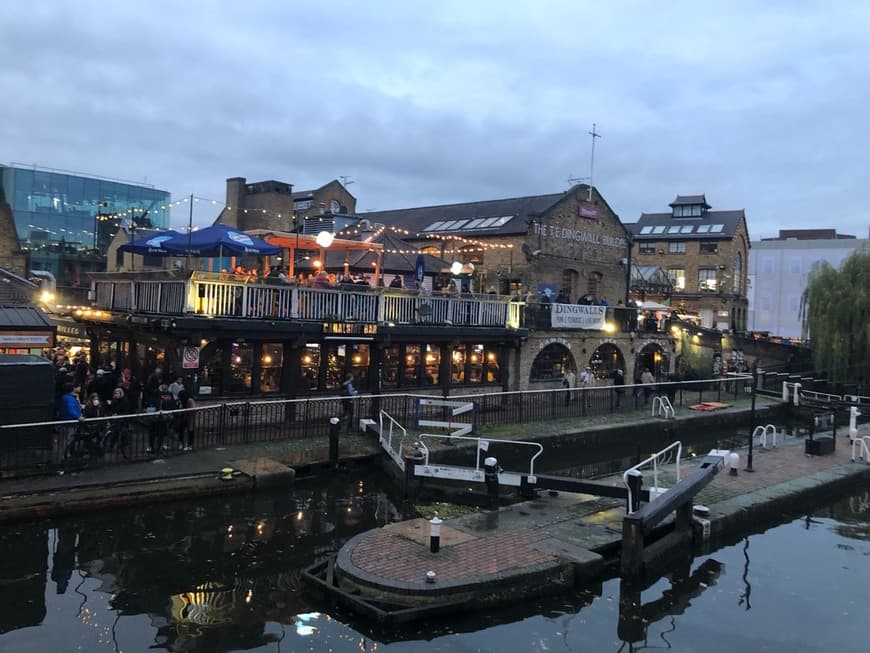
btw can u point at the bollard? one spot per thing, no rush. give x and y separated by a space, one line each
635 483
797 394
490 477
334 428
853 422
733 463
434 534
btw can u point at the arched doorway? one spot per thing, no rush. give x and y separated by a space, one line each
551 363
605 359
653 358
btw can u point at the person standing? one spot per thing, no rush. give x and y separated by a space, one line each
647 379
188 419
618 377
568 383
348 392
69 409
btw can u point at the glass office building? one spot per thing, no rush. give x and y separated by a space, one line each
66 221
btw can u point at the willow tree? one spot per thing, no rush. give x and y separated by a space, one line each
835 311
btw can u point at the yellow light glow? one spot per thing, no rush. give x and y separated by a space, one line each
267 360
609 327
675 330
490 356
306 359
317 264
47 296
357 359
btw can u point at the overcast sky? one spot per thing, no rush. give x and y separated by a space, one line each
762 106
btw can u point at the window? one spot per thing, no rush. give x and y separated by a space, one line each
677 277
412 365
676 248
271 360
767 264
475 364
311 365
659 229
687 228
716 228
703 228
709 247
457 365
738 273
392 356
794 265
119 258
435 226
674 229
334 206
645 230
552 363
474 224
646 248
432 364
707 279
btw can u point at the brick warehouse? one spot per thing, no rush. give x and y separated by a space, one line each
705 254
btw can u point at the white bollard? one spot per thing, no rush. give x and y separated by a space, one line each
733 463
853 422
797 394
785 391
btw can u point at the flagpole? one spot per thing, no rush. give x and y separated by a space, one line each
189 230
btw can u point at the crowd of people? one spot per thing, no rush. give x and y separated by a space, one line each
84 392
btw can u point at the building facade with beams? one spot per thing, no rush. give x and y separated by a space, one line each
706 256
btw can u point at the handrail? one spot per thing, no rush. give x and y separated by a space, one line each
664 406
654 460
863 445
425 449
762 432
396 456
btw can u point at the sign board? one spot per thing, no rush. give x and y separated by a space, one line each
350 328
577 316
190 359
25 339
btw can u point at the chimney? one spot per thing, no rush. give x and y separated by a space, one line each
236 191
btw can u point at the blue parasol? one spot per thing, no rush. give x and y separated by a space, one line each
219 240
153 244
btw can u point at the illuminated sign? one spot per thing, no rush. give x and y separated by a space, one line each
349 329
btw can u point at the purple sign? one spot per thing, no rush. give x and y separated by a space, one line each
587 212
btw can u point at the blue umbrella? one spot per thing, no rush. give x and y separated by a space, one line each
153 244
218 240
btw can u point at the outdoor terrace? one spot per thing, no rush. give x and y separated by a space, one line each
224 295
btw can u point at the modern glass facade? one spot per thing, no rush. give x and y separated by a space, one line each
66 221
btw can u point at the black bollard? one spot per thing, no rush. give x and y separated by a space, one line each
334 428
490 477
635 483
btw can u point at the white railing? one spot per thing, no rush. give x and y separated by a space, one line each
862 444
476 474
662 406
761 433
224 295
664 457
386 439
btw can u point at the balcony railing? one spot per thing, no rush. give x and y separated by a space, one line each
225 295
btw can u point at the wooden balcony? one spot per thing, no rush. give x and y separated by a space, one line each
221 295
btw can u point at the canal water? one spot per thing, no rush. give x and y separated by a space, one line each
223 574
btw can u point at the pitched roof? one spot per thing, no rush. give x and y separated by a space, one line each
511 216
398 257
30 317
713 225
690 200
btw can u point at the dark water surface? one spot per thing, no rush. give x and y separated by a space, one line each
223 575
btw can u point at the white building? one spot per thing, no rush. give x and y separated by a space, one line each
778 271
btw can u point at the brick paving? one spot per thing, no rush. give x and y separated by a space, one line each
396 556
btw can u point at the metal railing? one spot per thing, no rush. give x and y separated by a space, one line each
43 447
225 295
386 439
466 473
664 457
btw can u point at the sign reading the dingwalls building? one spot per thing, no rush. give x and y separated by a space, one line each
577 316
557 231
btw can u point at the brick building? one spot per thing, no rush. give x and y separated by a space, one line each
705 254
570 244
274 205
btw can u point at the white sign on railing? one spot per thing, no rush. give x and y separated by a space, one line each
577 316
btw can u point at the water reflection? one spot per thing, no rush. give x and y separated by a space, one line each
224 574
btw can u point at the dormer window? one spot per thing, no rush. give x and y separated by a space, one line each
688 211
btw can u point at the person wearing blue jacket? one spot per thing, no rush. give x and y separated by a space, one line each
68 409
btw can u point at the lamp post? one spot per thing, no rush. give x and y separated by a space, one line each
97 219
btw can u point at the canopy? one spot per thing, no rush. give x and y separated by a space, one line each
153 244
219 240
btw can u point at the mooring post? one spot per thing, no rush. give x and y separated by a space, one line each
334 428
435 534
411 459
635 483
490 478
632 547
754 387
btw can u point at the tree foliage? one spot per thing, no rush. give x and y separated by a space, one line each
835 312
